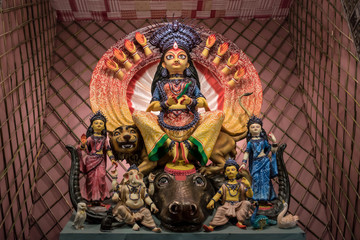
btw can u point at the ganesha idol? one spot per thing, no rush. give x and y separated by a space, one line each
179 102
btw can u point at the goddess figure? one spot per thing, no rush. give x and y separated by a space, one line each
179 128
262 168
93 162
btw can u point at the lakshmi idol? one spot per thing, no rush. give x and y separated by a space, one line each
94 148
179 128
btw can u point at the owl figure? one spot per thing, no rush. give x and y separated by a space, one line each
80 216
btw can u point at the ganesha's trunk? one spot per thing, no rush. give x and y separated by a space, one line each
137 182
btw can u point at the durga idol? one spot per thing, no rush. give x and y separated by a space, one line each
179 129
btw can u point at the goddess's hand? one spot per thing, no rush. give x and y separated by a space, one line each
83 140
114 163
172 101
272 137
185 100
243 166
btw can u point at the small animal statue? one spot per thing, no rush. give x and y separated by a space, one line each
80 216
132 197
127 143
288 221
260 221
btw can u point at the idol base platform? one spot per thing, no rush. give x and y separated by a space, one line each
226 232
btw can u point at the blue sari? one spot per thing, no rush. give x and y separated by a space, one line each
262 169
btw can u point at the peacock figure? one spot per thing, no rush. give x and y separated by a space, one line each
260 221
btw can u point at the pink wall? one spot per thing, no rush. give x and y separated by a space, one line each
329 71
26 39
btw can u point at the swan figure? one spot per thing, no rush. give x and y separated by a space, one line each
288 221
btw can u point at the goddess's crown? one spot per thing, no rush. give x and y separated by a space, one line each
183 35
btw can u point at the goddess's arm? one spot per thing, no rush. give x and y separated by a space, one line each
110 153
154 106
244 161
202 103
155 101
274 145
247 155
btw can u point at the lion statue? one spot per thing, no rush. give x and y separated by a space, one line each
127 144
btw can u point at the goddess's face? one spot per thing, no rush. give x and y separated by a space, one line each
98 126
175 61
255 129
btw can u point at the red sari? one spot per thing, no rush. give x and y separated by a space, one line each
94 166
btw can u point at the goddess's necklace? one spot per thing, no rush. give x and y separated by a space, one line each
97 140
177 75
176 86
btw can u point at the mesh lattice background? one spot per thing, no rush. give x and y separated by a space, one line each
309 103
329 73
27 31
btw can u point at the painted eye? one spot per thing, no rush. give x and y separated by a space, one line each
199 181
169 57
163 181
132 131
116 134
182 56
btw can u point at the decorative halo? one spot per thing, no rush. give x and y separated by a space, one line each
117 98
